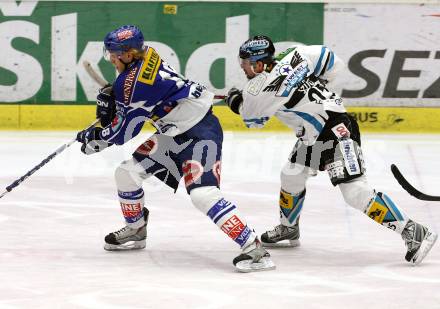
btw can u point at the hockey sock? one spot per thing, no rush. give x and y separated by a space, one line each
383 210
290 206
225 215
132 207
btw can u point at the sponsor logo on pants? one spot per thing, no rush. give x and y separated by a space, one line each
192 171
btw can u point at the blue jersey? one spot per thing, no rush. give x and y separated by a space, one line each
150 89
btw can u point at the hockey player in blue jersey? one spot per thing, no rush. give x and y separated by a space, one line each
187 144
293 88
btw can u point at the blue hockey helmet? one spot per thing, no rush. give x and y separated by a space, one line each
258 48
123 39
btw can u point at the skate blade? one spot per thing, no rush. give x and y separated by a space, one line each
425 247
282 244
248 266
131 245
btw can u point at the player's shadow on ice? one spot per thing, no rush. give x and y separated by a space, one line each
181 259
311 256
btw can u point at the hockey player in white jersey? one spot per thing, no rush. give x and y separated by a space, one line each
293 87
187 144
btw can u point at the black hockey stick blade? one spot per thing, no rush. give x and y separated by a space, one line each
409 188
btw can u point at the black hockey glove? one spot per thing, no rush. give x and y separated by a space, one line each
234 100
105 105
91 141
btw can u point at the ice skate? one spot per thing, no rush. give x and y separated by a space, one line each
128 238
281 236
418 240
253 258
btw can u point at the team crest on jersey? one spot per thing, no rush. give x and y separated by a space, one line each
293 80
285 69
275 84
290 76
150 67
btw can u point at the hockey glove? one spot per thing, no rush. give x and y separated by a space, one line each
91 141
234 100
105 105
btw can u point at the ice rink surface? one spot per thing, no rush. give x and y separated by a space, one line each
52 229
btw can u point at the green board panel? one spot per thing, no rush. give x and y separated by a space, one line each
42 51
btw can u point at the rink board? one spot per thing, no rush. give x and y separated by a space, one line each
387 63
75 117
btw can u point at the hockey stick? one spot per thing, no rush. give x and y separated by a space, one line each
409 188
102 82
43 163
93 74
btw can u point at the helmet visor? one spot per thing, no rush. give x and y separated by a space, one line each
107 53
246 63
248 67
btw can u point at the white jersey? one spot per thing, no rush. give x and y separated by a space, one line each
294 92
